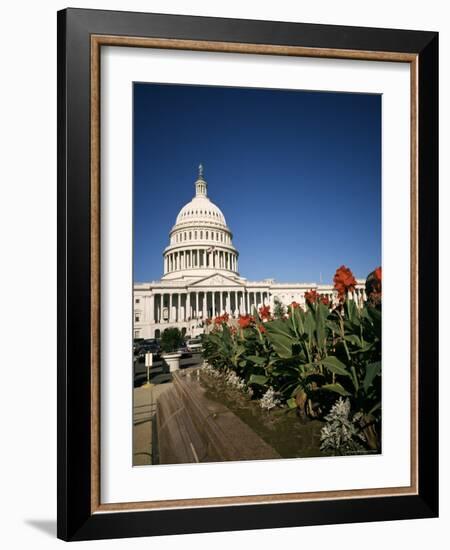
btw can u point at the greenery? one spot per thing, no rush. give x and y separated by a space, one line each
278 310
311 358
171 340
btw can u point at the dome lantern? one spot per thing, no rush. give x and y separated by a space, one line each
200 184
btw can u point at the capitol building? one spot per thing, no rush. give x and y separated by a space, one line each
201 276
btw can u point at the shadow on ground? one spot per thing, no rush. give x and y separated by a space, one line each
47 526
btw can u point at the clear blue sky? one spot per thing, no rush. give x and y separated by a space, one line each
296 174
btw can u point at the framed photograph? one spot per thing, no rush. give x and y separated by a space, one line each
247 274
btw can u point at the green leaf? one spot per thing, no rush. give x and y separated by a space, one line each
292 403
256 359
352 311
353 339
375 317
258 379
372 370
334 365
281 343
321 315
310 325
336 388
334 326
297 320
279 327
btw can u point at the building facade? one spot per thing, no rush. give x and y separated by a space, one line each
201 278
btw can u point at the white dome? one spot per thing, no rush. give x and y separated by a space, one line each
200 242
200 209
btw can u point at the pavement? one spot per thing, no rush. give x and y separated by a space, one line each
145 398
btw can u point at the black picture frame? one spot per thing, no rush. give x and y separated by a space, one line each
76 521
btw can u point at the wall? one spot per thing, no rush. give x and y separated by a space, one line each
28 275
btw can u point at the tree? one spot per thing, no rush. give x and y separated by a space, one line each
278 309
171 340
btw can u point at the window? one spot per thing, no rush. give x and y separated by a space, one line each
137 333
137 300
137 317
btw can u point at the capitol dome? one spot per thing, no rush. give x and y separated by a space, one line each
200 240
200 209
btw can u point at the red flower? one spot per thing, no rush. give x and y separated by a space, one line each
262 329
311 296
295 305
221 319
245 321
378 273
344 281
264 312
325 300
208 321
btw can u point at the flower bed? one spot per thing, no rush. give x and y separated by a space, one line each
323 362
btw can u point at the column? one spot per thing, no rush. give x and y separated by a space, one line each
188 306
161 307
196 306
152 308
205 299
170 307
271 302
221 303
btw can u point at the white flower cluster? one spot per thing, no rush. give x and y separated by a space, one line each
233 380
228 376
340 435
215 373
269 400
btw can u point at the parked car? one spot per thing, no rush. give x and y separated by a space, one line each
147 346
194 344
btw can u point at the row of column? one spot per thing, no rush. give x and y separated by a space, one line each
197 258
178 306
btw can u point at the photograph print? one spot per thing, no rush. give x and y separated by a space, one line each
257 270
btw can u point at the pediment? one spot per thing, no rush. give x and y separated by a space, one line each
217 280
